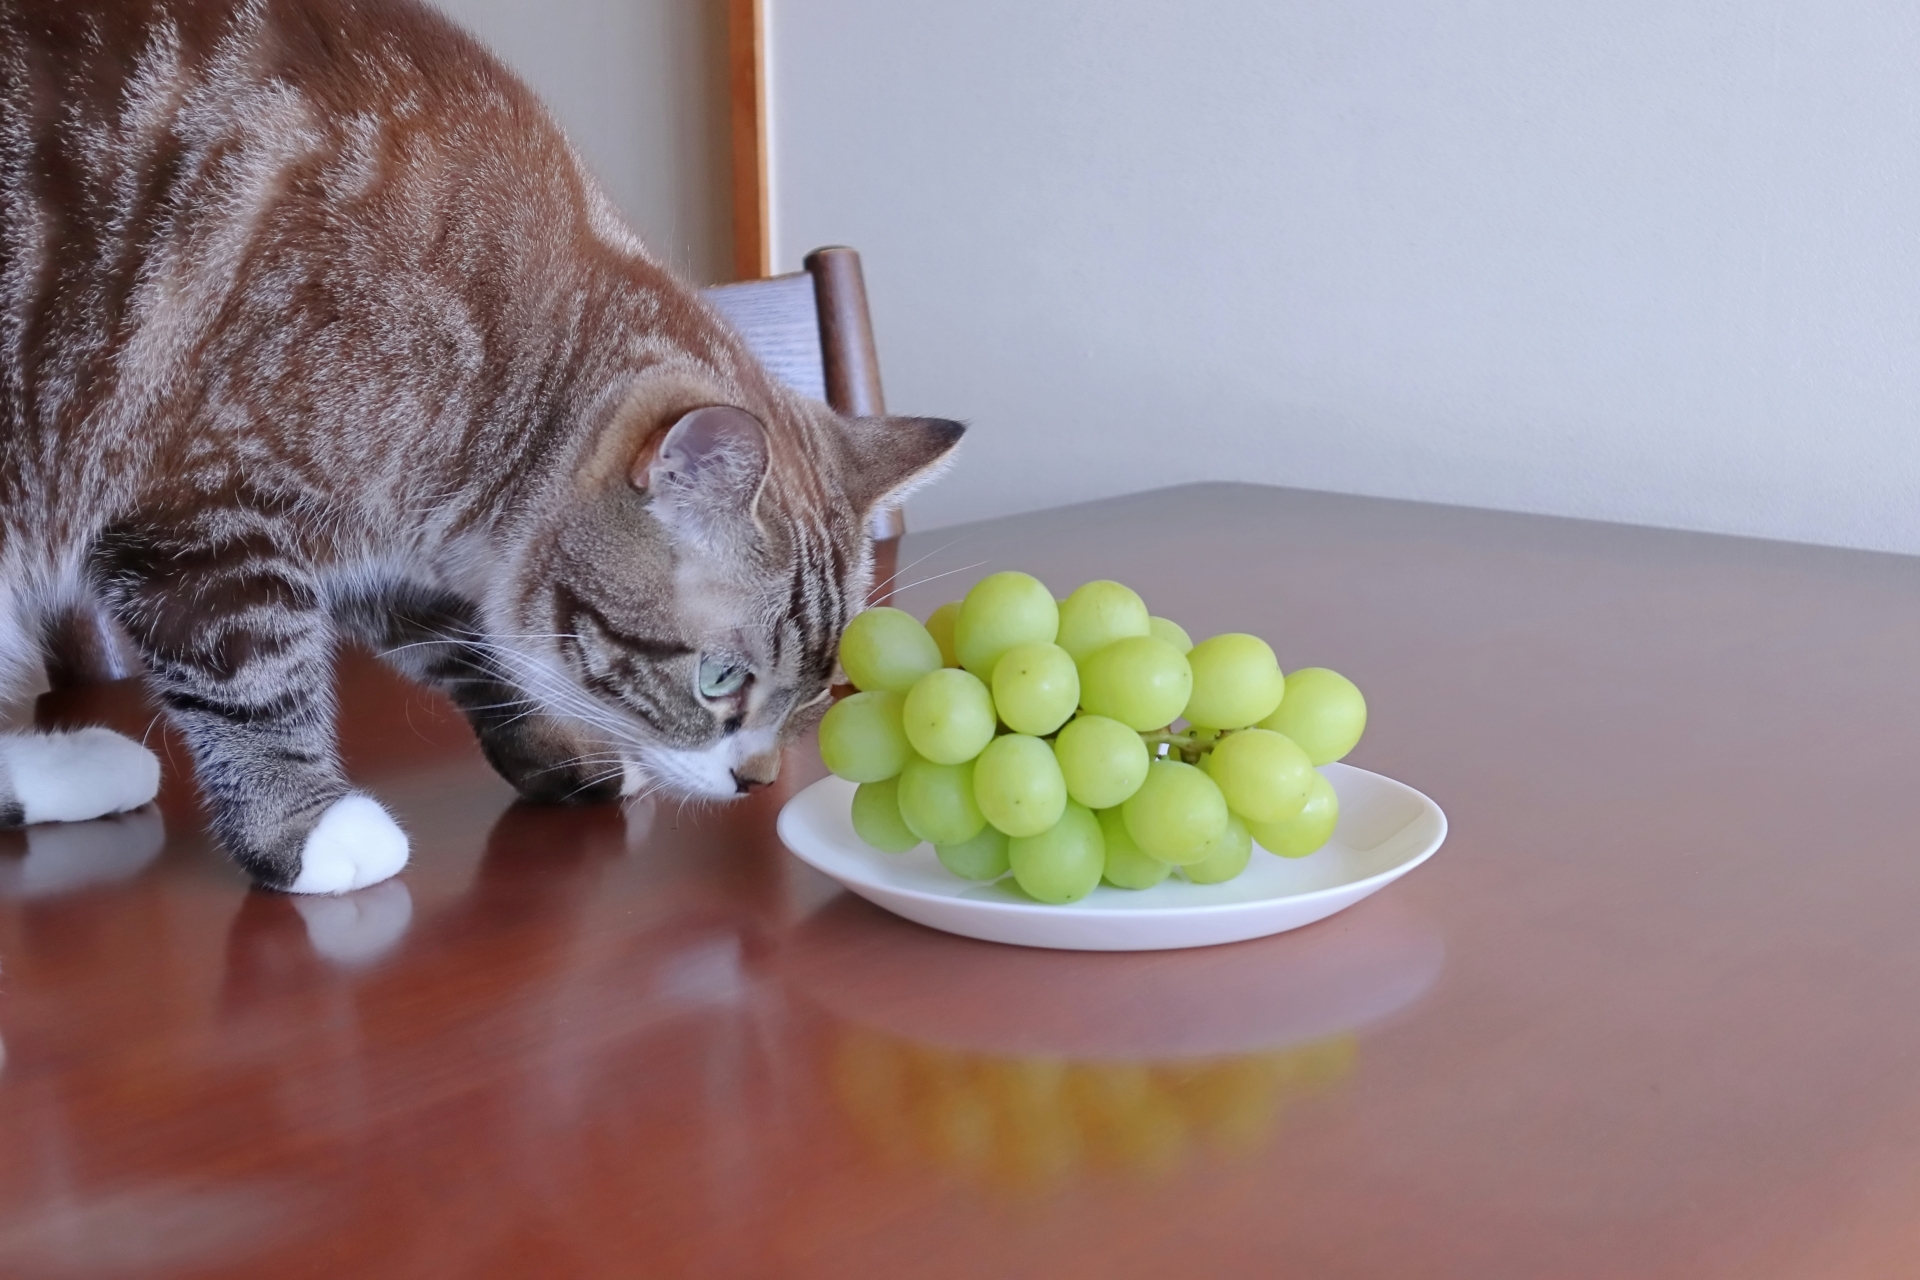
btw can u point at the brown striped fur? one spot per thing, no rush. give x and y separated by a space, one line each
313 326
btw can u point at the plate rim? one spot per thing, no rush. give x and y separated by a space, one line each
1079 910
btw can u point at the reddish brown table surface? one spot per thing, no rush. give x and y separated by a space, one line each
1653 1011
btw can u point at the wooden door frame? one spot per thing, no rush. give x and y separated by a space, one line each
747 98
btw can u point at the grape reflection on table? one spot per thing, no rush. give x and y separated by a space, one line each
1019 1124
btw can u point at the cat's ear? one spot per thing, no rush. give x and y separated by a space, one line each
891 457
703 475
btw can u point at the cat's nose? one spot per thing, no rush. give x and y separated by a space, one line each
758 771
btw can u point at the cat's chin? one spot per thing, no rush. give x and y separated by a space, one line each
682 774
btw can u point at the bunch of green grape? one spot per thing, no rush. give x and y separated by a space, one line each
1070 741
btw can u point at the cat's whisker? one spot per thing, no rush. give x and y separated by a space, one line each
586 758
448 681
527 714
570 700
654 787
882 584
479 708
569 703
494 637
420 644
921 582
593 782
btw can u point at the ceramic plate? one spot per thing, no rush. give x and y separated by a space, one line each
1386 830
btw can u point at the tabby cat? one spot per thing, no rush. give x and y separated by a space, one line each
314 328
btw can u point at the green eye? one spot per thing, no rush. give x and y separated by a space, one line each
720 678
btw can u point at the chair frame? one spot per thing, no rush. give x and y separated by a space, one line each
849 361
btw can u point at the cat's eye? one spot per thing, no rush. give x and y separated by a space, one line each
720 678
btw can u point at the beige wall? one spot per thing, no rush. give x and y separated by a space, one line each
640 86
1646 260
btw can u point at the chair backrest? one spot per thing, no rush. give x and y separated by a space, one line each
813 331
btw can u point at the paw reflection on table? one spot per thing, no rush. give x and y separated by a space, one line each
62 857
357 928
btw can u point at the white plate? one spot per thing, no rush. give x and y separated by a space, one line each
1386 829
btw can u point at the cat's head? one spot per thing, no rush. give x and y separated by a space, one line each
696 592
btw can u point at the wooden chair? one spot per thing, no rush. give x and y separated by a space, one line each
810 328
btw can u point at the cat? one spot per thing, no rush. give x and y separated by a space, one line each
314 329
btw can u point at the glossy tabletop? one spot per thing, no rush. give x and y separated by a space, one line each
1653 1011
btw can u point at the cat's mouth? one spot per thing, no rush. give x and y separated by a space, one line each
727 770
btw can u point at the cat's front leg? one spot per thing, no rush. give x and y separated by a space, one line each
240 650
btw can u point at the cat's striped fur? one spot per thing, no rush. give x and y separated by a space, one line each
312 326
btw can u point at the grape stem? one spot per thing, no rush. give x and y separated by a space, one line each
1190 746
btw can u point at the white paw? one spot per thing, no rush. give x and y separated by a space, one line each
77 776
356 928
355 843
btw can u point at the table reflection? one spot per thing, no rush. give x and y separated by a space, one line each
55 858
649 1024
1337 976
1020 1070
1021 1124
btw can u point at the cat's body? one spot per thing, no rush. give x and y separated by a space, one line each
312 327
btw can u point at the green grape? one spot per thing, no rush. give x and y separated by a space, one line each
1226 857
1003 610
1236 681
1170 631
1102 761
940 627
1035 688
877 820
1127 867
948 716
887 649
1018 785
862 737
1063 863
1263 775
1307 830
1141 682
1177 813
982 858
1097 614
936 801
1322 712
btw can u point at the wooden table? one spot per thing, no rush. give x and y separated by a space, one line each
1654 1010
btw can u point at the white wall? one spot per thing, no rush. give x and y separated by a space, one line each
1644 260
640 86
